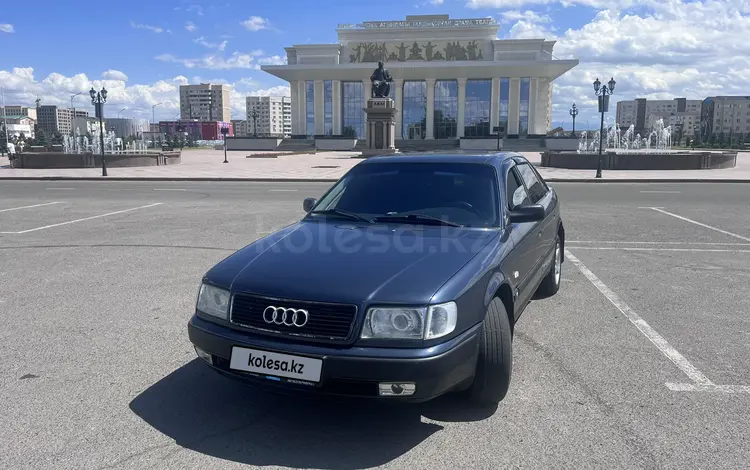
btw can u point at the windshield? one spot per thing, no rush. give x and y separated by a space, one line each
461 193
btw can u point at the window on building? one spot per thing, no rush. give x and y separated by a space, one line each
328 107
523 111
446 109
477 108
414 121
504 100
352 109
310 108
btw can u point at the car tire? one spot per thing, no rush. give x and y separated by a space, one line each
551 282
495 360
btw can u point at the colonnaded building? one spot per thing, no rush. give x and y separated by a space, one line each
452 78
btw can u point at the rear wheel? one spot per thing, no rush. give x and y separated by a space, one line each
551 282
495 361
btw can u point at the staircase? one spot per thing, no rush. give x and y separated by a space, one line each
292 145
524 145
424 145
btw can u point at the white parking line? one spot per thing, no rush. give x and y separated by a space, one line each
84 219
678 359
170 189
661 192
30 207
594 242
708 388
697 250
59 189
658 209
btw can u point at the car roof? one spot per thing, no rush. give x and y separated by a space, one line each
458 157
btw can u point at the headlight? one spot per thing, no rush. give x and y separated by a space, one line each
213 301
410 323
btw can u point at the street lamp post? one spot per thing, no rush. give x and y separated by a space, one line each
98 98
73 117
181 132
574 113
255 115
603 92
153 112
225 131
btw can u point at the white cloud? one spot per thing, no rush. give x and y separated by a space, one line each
114 75
22 88
237 60
7 28
190 26
437 2
660 50
195 8
255 23
155 29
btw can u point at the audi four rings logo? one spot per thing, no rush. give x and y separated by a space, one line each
285 316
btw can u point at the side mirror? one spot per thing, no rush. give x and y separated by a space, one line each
530 213
309 203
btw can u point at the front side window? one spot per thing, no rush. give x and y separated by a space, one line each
537 189
515 191
462 193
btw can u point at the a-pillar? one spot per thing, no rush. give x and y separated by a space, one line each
430 131
461 106
398 91
514 106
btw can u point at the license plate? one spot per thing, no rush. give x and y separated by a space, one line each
275 364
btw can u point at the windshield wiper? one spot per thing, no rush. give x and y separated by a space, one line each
416 218
343 213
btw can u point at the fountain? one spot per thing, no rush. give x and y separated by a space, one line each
630 150
80 152
658 140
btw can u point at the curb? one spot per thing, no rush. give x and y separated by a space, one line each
333 180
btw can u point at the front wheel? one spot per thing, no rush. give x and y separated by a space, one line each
495 361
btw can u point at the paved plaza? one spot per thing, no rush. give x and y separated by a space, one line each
329 166
640 361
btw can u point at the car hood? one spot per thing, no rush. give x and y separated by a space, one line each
350 263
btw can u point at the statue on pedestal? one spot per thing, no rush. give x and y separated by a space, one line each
381 82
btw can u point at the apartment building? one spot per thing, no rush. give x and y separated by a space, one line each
727 115
20 111
53 119
642 114
241 127
205 102
273 118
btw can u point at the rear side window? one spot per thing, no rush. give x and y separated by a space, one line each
537 189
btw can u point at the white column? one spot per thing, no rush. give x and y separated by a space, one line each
302 108
461 106
336 90
319 108
542 116
430 134
294 89
514 106
532 105
398 84
495 105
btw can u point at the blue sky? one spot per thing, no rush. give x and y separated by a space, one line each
145 49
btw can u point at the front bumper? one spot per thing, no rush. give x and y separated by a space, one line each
352 371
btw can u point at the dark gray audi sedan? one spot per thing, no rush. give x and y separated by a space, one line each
403 282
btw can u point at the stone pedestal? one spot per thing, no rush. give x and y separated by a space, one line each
380 127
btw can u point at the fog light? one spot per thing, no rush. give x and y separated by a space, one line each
396 389
203 355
